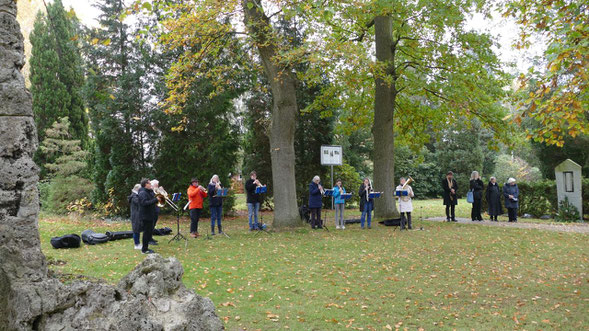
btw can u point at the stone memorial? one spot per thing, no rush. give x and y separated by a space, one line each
151 297
568 183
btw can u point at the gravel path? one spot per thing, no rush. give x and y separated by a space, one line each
567 227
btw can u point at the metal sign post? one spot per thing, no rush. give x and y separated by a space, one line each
331 155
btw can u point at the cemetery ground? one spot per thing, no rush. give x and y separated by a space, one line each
448 275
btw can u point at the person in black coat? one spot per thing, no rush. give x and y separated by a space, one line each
136 224
315 197
253 200
366 202
494 199
147 213
477 187
511 196
450 188
215 203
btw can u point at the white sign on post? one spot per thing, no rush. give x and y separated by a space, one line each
331 155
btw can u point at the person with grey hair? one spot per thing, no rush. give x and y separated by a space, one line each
315 202
494 199
511 196
136 224
477 187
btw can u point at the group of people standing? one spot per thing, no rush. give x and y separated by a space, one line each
509 192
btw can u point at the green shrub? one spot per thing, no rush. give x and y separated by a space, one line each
585 186
64 191
538 198
43 187
567 212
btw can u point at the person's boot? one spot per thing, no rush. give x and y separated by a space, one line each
220 229
212 230
409 222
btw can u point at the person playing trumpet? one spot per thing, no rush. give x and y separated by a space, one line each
215 203
315 194
405 204
253 200
366 202
196 194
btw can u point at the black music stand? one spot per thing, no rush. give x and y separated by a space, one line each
327 193
179 236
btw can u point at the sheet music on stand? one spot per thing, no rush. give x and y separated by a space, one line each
328 193
261 189
401 193
374 195
346 196
222 192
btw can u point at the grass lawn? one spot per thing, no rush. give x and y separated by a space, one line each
449 276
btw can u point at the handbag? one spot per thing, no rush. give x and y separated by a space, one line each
470 196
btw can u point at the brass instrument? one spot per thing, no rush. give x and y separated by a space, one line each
406 198
162 198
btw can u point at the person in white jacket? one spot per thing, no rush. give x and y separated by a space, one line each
405 205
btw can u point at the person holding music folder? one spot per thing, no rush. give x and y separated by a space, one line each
450 187
366 202
405 204
511 196
147 214
136 224
315 202
215 204
339 204
477 187
253 200
155 185
196 194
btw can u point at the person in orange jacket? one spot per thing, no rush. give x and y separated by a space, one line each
196 194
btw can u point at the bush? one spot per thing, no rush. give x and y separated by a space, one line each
64 191
538 198
567 212
585 186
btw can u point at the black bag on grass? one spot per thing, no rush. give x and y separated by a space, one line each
67 241
92 238
118 235
162 232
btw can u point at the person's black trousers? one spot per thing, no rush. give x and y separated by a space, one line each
405 220
475 213
512 213
194 217
315 217
450 212
147 233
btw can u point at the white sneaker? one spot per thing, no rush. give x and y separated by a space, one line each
138 246
338 227
343 227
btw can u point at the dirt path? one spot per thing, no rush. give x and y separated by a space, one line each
568 227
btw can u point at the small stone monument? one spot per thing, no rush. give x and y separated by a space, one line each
568 183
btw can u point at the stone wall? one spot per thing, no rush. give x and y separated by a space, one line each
151 297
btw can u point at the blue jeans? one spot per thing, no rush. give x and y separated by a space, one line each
216 213
136 236
252 212
366 211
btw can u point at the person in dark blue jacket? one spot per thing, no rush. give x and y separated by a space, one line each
366 202
136 224
215 203
511 196
315 195
147 213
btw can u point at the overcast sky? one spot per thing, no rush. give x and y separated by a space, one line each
505 30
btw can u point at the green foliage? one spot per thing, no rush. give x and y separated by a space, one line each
585 192
549 156
567 212
555 94
64 191
56 74
537 198
206 145
508 166
422 167
58 145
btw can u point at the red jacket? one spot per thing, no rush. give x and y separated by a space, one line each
196 196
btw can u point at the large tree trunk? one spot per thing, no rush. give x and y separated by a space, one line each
382 128
284 112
